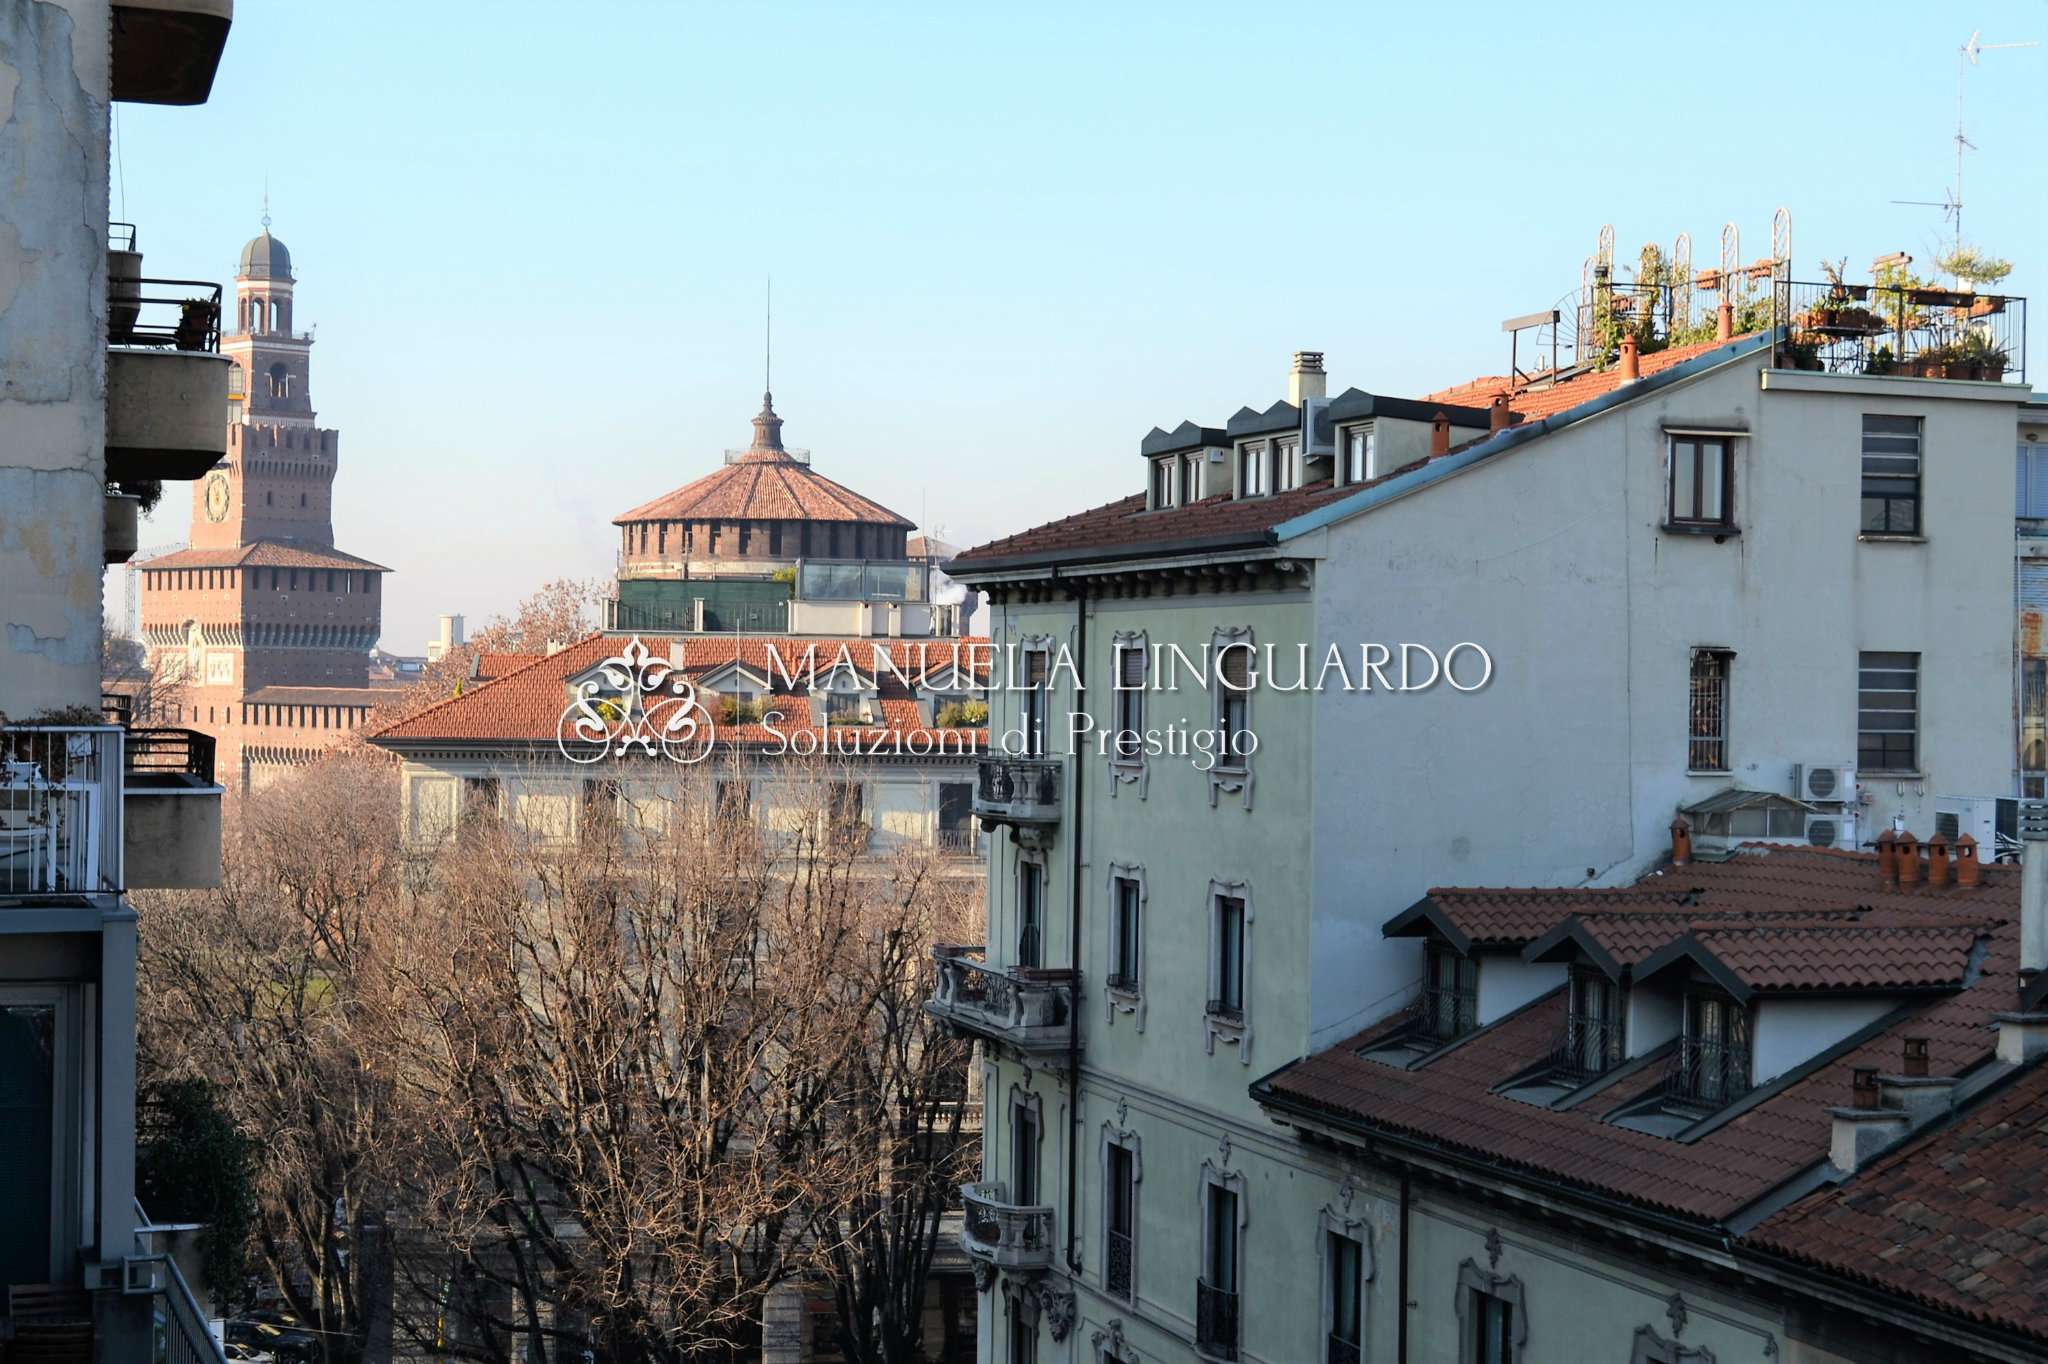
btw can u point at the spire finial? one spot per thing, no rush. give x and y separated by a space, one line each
266 202
768 341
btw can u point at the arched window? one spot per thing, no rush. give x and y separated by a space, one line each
280 381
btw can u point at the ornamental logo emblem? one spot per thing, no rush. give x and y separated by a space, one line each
634 700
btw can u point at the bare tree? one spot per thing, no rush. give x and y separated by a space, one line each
155 696
265 987
561 611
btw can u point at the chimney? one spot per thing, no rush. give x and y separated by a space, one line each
1969 872
1306 379
1439 434
2022 1037
1937 862
1631 359
2033 889
1724 322
1866 1127
1888 858
1498 418
1681 842
1906 859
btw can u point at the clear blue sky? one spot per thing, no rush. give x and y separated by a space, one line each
1005 241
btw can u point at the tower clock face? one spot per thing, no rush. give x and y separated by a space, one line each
217 497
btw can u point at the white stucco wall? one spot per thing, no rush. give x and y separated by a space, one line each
1791 1031
1506 983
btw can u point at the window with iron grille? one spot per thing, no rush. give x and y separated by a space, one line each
1707 718
1712 1065
1594 1039
1449 1006
1702 478
1216 1292
1030 912
1226 970
1888 712
1121 1224
1130 703
1891 475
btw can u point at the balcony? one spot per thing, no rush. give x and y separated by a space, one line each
1021 792
166 51
1215 1320
1030 1009
1005 1234
167 383
1898 331
60 817
171 808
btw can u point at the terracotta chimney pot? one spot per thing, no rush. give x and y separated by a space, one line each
1498 417
1439 434
1681 842
1631 358
1916 1057
1724 323
1887 858
1969 871
1906 859
1937 862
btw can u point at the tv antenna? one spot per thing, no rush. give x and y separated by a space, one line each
1951 202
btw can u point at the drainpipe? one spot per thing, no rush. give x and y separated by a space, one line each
1401 1353
1080 591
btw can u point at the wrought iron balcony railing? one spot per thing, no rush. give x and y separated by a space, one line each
60 810
1707 1072
1443 1013
1586 1047
1343 1350
1028 1008
1215 1320
1916 333
1019 791
164 753
174 314
1116 1263
1005 1234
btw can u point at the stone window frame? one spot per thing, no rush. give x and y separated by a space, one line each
1030 1101
1034 857
1228 773
1507 1287
1334 1221
1112 1134
1651 1348
1134 770
1115 998
1027 645
1216 1026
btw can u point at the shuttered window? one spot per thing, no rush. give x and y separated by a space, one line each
1233 702
1130 703
1888 712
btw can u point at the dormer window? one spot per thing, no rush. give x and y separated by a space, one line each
1287 464
1712 1065
1449 1006
1359 454
1162 483
1252 478
1594 1040
1190 478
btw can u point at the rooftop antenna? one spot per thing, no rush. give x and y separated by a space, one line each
768 340
266 202
1951 204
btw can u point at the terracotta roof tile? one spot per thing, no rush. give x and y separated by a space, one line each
524 704
763 489
262 554
1843 956
1448 1101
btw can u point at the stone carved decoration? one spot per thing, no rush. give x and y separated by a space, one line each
1058 1306
1223 1149
984 1276
1123 1111
1108 1343
1675 1311
1493 1247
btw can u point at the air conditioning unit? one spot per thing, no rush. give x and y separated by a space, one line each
1832 830
1994 821
1824 783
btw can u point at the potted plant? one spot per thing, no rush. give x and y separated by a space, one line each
1840 311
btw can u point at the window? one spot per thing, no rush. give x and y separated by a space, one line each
1120 1221
1344 1257
1286 465
1226 994
1190 478
2031 498
1162 483
1251 470
1887 712
1024 1154
843 708
733 798
600 802
479 801
1712 1064
1030 914
1891 475
1023 1337
1216 1291
1130 703
1702 474
1593 1026
1493 1321
956 817
1359 454
1123 935
1707 717
846 809
1233 705
1449 1006
1036 685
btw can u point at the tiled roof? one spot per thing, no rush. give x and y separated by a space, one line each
1448 1101
1957 1219
1127 525
766 488
1843 956
1510 917
524 704
262 554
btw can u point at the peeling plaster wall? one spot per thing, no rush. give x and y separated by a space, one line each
54 88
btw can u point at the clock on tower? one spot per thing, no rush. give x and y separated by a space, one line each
217 496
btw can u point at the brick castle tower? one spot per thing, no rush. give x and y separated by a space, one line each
262 624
